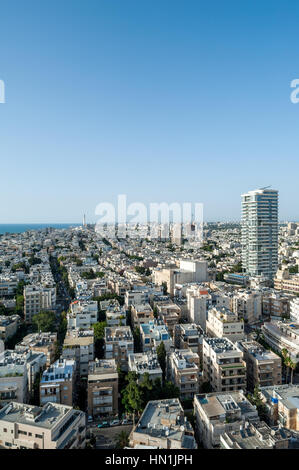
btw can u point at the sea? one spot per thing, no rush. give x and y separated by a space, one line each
20 228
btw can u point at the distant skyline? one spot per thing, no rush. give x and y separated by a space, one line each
163 101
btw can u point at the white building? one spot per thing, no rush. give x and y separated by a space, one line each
260 232
248 305
37 298
153 334
294 310
223 365
222 323
198 302
142 363
52 426
216 413
82 314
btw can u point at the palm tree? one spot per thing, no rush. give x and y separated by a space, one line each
292 366
286 359
122 440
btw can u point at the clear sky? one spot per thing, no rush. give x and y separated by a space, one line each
162 100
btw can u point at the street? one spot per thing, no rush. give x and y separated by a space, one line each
106 438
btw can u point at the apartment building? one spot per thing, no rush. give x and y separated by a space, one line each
259 236
146 362
78 345
169 313
256 436
217 413
276 304
199 300
82 314
37 298
152 335
8 285
294 310
141 313
13 378
8 326
283 335
52 426
282 405
284 281
40 343
223 365
18 371
236 278
102 391
115 314
188 271
57 384
263 367
223 323
183 369
163 426
119 344
136 297
248 305
188 336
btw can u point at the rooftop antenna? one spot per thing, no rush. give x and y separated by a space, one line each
266 187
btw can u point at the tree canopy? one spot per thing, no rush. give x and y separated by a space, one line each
44 321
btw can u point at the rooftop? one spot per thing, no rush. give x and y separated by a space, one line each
45 417
165 419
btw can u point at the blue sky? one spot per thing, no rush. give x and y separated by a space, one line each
162 100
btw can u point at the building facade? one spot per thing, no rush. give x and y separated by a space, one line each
260 232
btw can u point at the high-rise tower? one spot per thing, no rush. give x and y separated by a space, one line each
260 232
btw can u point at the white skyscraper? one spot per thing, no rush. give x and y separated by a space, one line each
260 232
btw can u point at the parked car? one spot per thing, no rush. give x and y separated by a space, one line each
104 424
127 421
115 422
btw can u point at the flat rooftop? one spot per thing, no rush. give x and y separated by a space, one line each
165 419
44 417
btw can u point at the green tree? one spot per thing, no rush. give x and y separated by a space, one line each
256 400
285 356
137 340
146 386
140 269
161 353
33 260
206 387
99 334
122 440
132 395
162 391
292 366
88 274
44 321
19 308
20 288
